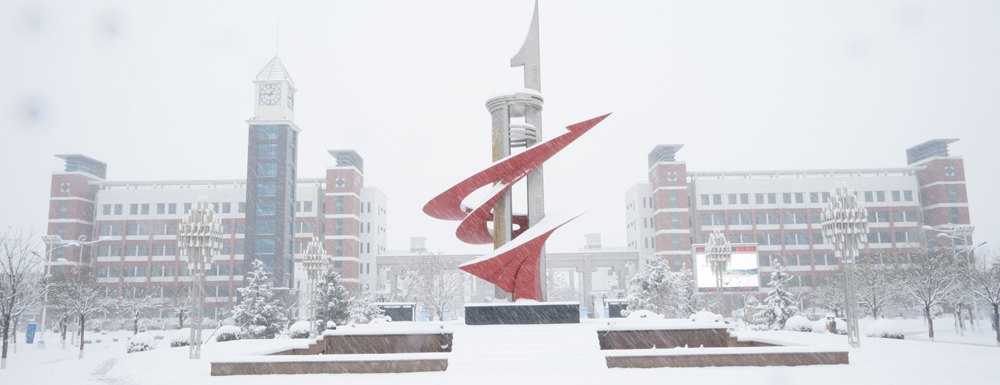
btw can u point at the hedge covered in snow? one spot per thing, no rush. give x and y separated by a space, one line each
141 342
227 333
299 330
885 328
799 324
180 338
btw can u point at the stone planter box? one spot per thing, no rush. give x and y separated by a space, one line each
425 362
387 343
764 356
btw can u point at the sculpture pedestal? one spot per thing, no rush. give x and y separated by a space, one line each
522 313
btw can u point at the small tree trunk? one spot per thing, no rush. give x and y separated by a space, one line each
81 335
6 332
972 324
135 325
13 336
996 318
180 319
930 323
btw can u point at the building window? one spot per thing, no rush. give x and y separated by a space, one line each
952 195
799 198
187 208
267 189
795 218
63 208
133 209
307 206
106 210
675 241
161 208
759 198
768 219
267 169
869 196
908 195
880 196
744 199
268 266
786 197
338 247
732 199
826 197
796 239
241 207
264 227
118 209
338 205
675 219
145 209
267 207
954 215
267 132
739 219
263 246
878 216
267 151
895 196
172 208
704 200
716 199
814 197
816 218
116 230
226 207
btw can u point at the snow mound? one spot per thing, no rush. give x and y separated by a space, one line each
799 323
705 317
227 333
640 314
380 320
181 337
299 329
141 342
885 328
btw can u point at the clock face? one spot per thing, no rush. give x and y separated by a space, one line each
291 99
270 94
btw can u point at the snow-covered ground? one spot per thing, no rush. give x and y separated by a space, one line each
554 354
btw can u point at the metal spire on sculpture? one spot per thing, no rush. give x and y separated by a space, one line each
719 254
200 236
845 226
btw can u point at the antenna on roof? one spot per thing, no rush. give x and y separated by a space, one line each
277 29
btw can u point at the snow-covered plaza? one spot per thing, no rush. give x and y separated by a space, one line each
526 354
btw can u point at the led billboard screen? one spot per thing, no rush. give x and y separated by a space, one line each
741 275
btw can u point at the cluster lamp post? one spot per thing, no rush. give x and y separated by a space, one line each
200 236
845 226
719 254
314 262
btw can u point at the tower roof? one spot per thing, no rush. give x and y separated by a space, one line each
274 70
930 148
663 153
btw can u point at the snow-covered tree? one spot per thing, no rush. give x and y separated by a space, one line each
363 309
134 302
828 291
688 301
436 283
652 289
779 305
749 308
558 288
930 278
985 282
331 300
259 315
179 303
78 294
875 286
20 286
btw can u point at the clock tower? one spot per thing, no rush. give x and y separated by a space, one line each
271 171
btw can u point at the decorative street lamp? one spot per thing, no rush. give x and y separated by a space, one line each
845 226
313 262
719 254
55 242
200 236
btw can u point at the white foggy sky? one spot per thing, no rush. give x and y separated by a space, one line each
161 91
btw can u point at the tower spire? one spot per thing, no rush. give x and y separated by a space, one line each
529 56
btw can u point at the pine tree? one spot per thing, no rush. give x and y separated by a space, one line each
686 291
779 306
651 289
331 300
259 316
363 309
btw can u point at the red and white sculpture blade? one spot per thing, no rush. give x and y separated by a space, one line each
514 266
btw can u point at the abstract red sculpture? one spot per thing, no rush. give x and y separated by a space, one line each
514 266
